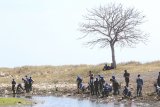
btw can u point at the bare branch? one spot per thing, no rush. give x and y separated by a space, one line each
113 24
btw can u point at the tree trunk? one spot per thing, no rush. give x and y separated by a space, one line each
113 56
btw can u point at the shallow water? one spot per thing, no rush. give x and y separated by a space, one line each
51 101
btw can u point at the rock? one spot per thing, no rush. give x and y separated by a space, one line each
120 99
2 74
84 96
19 102
68 94
6 92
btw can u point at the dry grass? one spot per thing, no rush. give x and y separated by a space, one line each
68 73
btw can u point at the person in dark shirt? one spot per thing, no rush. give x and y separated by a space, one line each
96 84
115 85
126 76
158 80
126 92
106 90
91 77
92 88
19 89
91 82
139 82
79 81
13 86
30 80
26 85
101 83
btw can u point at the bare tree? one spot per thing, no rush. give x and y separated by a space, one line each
113 25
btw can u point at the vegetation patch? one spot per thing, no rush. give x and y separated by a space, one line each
13 101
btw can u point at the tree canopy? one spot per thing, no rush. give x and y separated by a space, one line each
113 25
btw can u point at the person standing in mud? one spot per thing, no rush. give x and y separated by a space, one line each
91 82
13 86
158 80
139 85
79 81
30 83
126 76
101 83
96 84
26 85
91 88
115 85
91 77
27 79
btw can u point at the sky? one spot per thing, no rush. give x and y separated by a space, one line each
45 32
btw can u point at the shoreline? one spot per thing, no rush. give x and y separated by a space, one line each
72 92
48 79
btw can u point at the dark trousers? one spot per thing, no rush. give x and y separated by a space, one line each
105 92
27 87
127 81
115 91
127 84
13 89
96 90
139 90
100 87
92 89
78 86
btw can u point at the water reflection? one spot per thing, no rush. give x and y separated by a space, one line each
70 102
51 101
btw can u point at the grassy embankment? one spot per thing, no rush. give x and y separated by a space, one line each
67 73
13 101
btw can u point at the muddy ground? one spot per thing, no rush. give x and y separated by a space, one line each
66 86
70 90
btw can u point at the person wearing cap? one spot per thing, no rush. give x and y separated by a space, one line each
139 82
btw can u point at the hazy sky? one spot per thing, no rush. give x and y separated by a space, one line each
45 32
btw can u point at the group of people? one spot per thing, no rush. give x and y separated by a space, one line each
98 86
106 67
139 82
18 88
